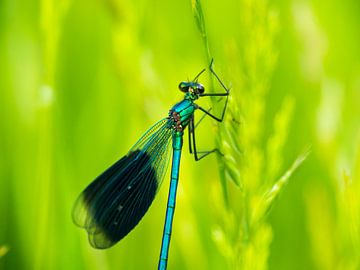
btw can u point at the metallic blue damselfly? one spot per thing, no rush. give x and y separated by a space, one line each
114 203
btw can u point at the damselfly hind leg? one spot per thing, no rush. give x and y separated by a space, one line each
198 155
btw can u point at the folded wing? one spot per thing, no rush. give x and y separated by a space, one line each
114 203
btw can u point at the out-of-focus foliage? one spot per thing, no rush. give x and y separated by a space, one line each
80 81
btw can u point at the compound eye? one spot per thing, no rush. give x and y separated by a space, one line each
200 89
184 87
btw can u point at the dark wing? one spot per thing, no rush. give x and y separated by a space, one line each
114 203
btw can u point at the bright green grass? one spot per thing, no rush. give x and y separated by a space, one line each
80 81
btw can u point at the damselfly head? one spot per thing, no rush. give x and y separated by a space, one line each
193 87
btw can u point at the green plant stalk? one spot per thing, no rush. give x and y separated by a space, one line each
244 236
200 22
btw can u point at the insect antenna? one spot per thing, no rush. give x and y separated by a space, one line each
197 76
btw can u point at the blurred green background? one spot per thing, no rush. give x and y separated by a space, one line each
80 81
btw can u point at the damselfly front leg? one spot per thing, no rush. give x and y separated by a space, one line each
198 155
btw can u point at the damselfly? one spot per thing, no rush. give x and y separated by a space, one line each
114 203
